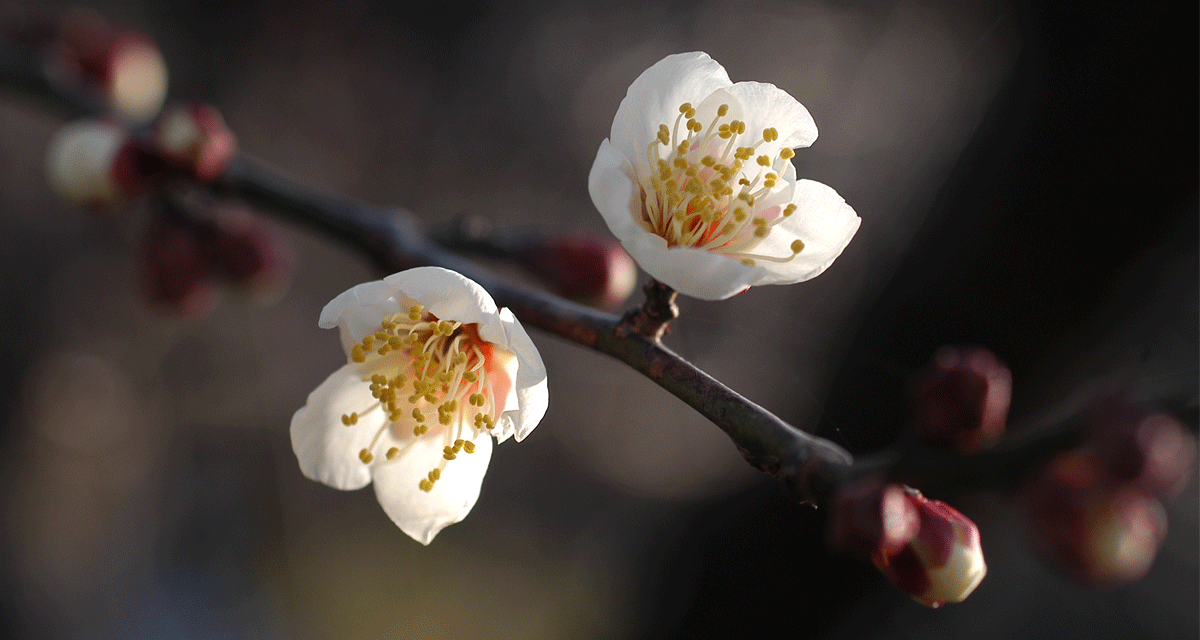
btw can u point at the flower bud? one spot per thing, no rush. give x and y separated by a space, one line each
123 66
94 164
1152 449
872 519
586 268
1097 531
195 136
251 254
963 399
177 269
943 562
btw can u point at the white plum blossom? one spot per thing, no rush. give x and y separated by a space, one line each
435 370
696 181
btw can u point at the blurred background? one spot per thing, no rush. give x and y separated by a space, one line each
1026 173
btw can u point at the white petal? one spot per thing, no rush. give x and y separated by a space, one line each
422 515
614 191
446 294
822 221
532 395
766 105
692 272
326 448
358 311
655 96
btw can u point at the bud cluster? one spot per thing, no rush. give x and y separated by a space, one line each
1096 512
185 258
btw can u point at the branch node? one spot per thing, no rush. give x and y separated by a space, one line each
653 319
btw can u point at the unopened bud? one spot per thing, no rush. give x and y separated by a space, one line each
943 562
870 519
586 268
1151 449
251 254
178 270
963 399
123 66
195 137
94 164
1097 531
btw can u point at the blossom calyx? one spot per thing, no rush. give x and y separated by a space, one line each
944 560
697 183
435 370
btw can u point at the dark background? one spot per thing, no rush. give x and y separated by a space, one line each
1027 178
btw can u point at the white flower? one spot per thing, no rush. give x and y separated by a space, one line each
435 371
696 181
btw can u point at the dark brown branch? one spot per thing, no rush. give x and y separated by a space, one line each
393 241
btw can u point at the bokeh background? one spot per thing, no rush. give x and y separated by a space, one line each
1026 173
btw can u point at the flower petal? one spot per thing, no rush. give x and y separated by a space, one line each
693 272
422 514
447 294
655 96
822 221
766 105
614 191
326 448
532 395
358 311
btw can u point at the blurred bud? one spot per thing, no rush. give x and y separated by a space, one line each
95 164
1150 448
178 270
586 268
943 562
124 66
251 254
963 399
1097 531
872 519
196 137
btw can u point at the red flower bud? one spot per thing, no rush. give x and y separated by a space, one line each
586 268
250 253
871 518
123 66
963 399
943 562
195 137
177 269
95 164
1152 449
1098 531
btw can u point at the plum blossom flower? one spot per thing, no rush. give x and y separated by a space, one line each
696 181
434 372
